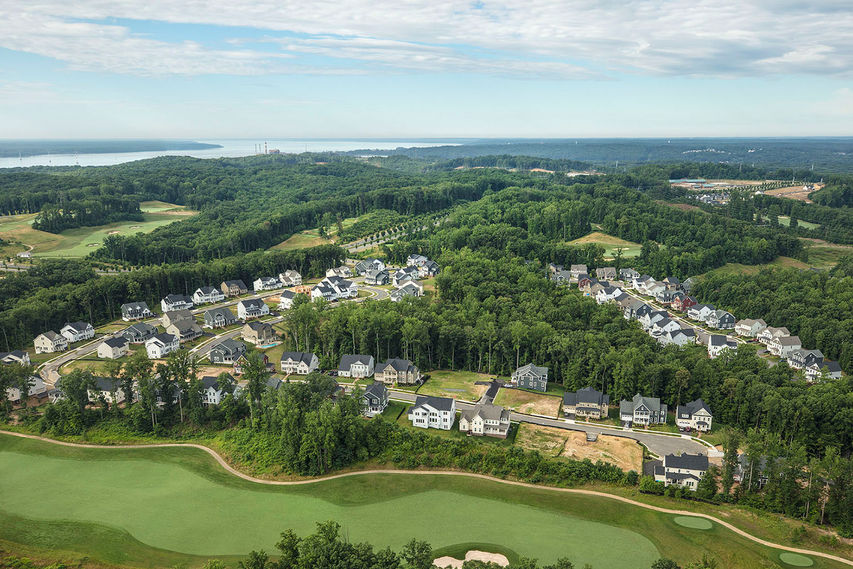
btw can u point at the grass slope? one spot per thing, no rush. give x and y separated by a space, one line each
610 243
456 384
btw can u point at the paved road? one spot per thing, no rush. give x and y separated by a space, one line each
658 444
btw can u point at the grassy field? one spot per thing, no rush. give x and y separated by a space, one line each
610 243
456 384
529 402
171 507
312 237
81 241
624 453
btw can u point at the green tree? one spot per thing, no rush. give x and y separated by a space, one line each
417 554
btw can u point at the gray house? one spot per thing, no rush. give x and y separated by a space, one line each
135 311
531 377
375 398
219 318
377 277
642 411
139 333
587 402
227 351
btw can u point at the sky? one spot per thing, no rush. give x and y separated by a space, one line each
425 68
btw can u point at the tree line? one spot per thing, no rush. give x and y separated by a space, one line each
81 213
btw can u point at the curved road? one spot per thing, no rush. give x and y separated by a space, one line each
221 461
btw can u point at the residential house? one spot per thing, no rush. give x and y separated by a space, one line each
299 363
334 288
241 362
700 312
372 264
184 330
395 370
815 371
680 337
233 288
428 269
605 273
135 311
138 333
416 260
688 284
290 278
585 282
641 282
175 316
252 308
624 302
667 296
628 275
531 377
554 268
721 320
266 283
15 357
749 327
642 411
685 470
655 288
258 333
663 326
214 390
718 343
342 272
648 319
404 275
377 277
50 342
586 402
207 295
159 346
672 283
412 288
695 415
782 346
561 277
113 348
801 359
770 333
285 299
746 469
36 387
433 412
607 293
630 311
77 331
485 419
683 303
357 366
227 351
219 318
176 302
578 270
107 388
375 399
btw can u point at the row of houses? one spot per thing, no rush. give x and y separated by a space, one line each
483 419
50 342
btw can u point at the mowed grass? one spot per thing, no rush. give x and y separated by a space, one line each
455 384
81 241
529 402
610 243
175 506
312 237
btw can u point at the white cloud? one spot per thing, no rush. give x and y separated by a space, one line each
561 38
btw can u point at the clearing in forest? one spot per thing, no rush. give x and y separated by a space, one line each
610 243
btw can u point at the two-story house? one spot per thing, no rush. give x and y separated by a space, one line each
814 371
161 345
377 277
367 265
721 320
342 272
395 370
374 399
680 337
50 342
176 302
175 316
184 330
227 351
135 311
749 328
107 388
685 470
700 312
782 346
585 403
695 415
718 343
411 288
299 363
207 295
357 366
266 283
577 270
290 278
801 359
606 273
213 391
252 308
219 318
19 357
433 412
285 299
233 288
485 419
77 331
259 333
138 333
642 411
663 326
770 333
683 303
530 377
113 348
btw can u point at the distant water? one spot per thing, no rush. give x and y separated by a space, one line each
230 148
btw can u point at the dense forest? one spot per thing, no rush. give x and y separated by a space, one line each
837 193
83 213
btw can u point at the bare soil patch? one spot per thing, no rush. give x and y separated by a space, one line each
529 402
792 192
472 555
622 452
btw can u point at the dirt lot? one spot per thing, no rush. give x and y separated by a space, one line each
528 402
624 453
681 206
792 192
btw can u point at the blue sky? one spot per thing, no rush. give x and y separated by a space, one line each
540 68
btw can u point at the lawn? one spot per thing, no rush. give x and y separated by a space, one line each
624 453
81 241
302 240
186 506
529 402
455 384
610 243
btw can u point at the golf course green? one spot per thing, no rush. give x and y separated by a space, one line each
180 500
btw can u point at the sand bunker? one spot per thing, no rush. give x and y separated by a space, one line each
93 244
133 227
472 555
114 232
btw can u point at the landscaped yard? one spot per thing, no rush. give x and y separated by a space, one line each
529 402
624 453
610 243
186 508
455 384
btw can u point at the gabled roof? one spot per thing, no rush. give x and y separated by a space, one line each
257 325
788 341
140 328
206 290
209 381
173 298
586 395
530 368
252 303
53 336
185 325
686 461
229 345
304 357
214 312
348 360
397 364
692 408
163 337
78 326
128 306
106 384
238 283
438 403
488 412
289 294
115 342
377 389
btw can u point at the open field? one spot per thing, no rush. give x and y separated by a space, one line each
186 508
610 243
529 402
302 240
456 384
681 206
624 453
792 192
81 241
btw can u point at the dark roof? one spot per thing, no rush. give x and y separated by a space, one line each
238 283
287 294
692 407
305 357
347 360
206 290
397 364
252 302
115 342
230 345
134 306
377 389
164 337
106 384
257 325
586 395
213 312
172 298
440 403
688 461
78 326
209 381
141 328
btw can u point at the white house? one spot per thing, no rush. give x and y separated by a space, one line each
356 366
343 272
78 331
485 419
685 470
36 387
266 283
694 415
15 357
782 346
113 348
207 295
299 363
372 264
769 333
663 326
717 344
212 392
815 370
680 337
285 300
109 389
648 319
700 312
290 278
252 308
404 275
433 412
161 345
50 342
334 288
608 293
135 311
176 302
411 288
749 327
